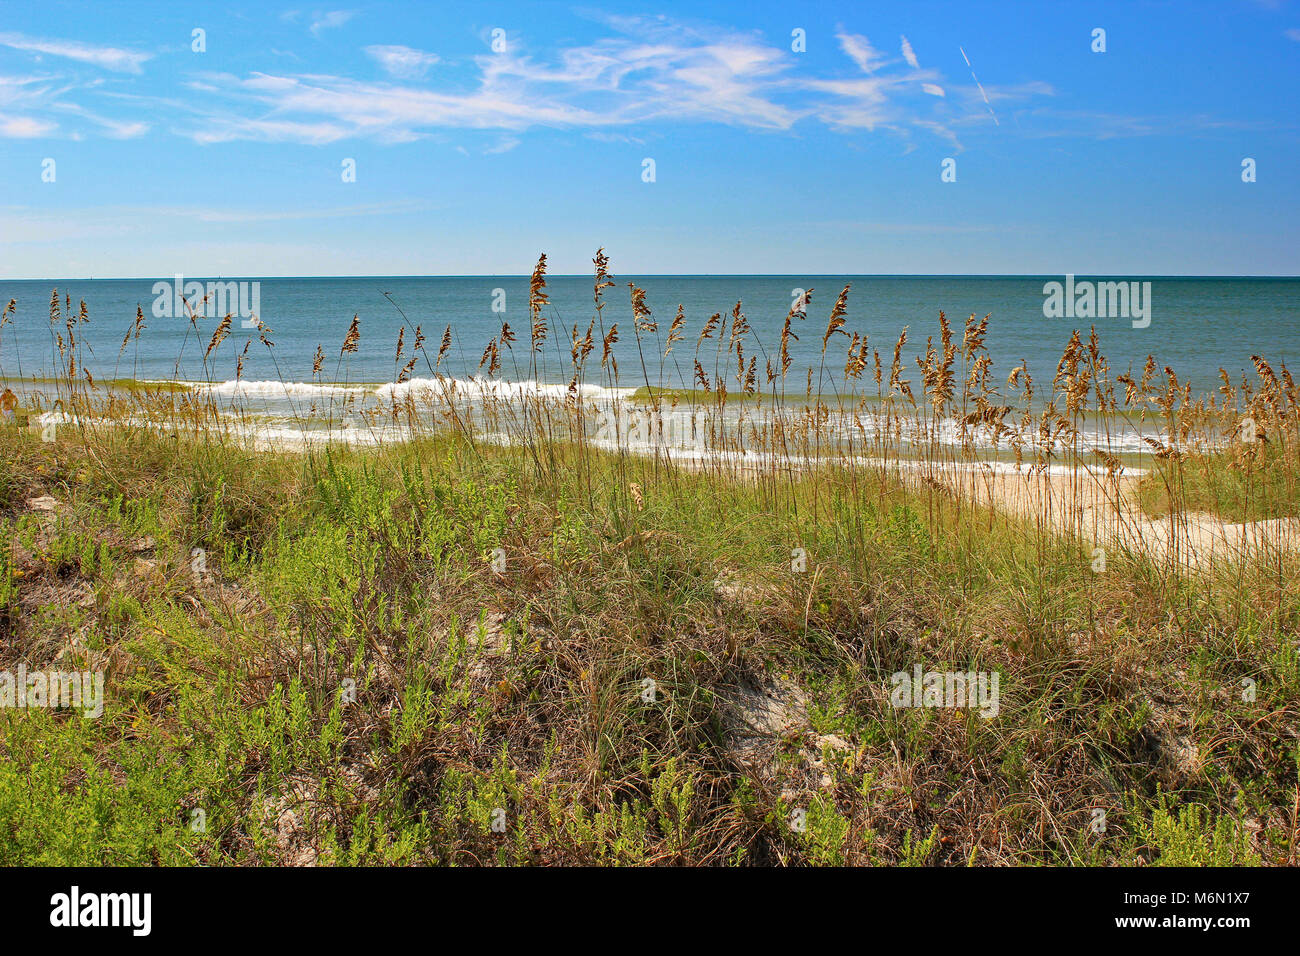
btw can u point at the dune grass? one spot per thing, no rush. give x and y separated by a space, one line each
510 684
1249 483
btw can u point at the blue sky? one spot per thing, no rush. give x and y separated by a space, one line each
473 160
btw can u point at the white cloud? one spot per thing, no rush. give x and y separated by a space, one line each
646 71
909 54
860 51
328 21
122 130
22 90
110 58
24 127
115 129
615 82
226 130
402 62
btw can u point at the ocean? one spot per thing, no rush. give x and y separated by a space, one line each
1193 325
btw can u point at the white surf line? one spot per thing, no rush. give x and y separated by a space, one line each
289 436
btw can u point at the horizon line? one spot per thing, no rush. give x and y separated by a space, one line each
672 275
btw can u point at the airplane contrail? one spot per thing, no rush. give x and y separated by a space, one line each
981 88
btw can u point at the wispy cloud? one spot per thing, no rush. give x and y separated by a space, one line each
23 90
644 71
402 62
321 22
653 70
909 54
226 129
107 57
33 106
115 129
505 146
859 49
24 127
25 95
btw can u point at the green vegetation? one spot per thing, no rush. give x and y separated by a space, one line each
515 693
1247 483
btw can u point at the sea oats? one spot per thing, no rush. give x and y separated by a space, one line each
836 323
537 299
603 278
218 336
739 326
641 320
446 344
709 327
608 344
701 377
675 329
353 338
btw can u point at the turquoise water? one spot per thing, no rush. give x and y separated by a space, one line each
1197 325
